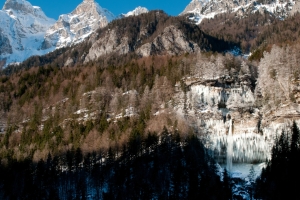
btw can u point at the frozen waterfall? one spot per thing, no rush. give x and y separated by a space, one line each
237 143
229 147
241 141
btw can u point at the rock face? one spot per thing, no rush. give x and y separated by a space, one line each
22 29
296 7
158 35
109 43
198 9
76 26
170 41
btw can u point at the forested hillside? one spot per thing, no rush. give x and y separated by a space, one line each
128 37
279 179
149 167
151 107
94 106
255 33
239 29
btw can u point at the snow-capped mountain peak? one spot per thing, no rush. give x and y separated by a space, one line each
76 26
26 13
22 29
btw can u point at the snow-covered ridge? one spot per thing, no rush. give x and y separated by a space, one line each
76 26
199 10
137 11
22 29
26 31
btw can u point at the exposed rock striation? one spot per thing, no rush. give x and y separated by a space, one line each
154 33
76 26
171 41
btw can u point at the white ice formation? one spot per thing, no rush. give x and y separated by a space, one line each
243 140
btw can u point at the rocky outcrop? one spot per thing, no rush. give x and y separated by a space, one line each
199 10
78 25
296 7
109 43
171 41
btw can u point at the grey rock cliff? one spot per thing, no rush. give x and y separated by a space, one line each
170 41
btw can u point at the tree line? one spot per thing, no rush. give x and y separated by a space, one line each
153 166
280 177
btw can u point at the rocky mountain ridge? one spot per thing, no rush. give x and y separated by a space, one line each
76 26
152 33
199 10
22 30
35 34
26 31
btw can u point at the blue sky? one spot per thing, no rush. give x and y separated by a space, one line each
53 8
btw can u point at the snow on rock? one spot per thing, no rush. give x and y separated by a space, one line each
137 11
22 30
76 26
198 10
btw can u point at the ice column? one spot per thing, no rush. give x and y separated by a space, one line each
229 147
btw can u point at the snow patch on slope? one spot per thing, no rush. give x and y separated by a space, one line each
198 10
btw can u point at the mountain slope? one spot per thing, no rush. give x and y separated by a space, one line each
76 26
153 33
22 28
199 10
